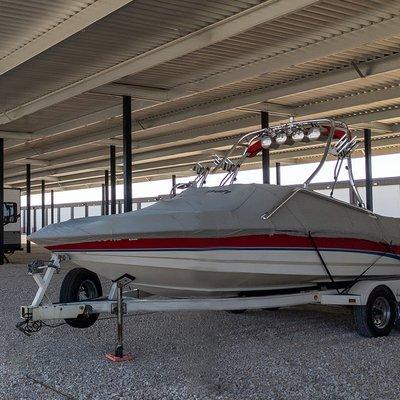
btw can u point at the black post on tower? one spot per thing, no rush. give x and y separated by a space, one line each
106 189
368 168
52 206
113 180
2 200
278 173
173 185
43 205
28 207
265 159
127 151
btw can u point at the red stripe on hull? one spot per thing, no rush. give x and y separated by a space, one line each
252 241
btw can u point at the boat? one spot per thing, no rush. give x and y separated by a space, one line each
238 239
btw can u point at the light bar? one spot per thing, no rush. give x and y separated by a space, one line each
298 135
266 142
313 134
281 138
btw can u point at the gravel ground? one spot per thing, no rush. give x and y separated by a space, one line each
305 352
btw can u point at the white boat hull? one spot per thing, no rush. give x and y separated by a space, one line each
228 272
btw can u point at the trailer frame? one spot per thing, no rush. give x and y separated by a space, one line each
120 302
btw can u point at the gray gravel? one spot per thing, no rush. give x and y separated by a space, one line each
305 352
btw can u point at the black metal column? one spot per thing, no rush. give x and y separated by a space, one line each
106 196
127 151
52 206
368 168
103 200
265 152
2 200
28 207
113 180
278 173
173 185
43 207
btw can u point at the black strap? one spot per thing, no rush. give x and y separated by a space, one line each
321 259
356 279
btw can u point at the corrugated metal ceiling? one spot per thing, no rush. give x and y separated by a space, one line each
317 23
136 28
22 21
147 24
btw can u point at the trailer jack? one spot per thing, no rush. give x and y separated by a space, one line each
118 355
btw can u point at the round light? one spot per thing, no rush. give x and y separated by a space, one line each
298 135
266 142
314 133
281 138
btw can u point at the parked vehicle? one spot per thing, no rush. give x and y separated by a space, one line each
12 220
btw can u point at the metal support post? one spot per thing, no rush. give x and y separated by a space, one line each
368 169
103 199
173 185
43 205
127 152
265 159
278 173
113 180
52 206
106 190
28 207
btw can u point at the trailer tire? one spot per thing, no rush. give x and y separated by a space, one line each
80 284
377 317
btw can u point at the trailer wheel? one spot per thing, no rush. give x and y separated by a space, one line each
378 316
80 284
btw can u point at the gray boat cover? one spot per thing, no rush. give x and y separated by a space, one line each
230 211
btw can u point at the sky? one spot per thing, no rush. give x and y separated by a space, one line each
382 166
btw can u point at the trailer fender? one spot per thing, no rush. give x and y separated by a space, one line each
364 288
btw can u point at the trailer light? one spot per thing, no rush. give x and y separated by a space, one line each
314 133
298 135
281 138
266 142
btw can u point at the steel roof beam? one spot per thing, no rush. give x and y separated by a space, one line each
140 92
139 159
76 23
341 105
184 169
16 135
344 42
193 153
33 161
97 169
229 128
173 138
374 68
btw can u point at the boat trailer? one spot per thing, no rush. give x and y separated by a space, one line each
120 302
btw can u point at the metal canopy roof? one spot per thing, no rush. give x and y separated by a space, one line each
199 74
